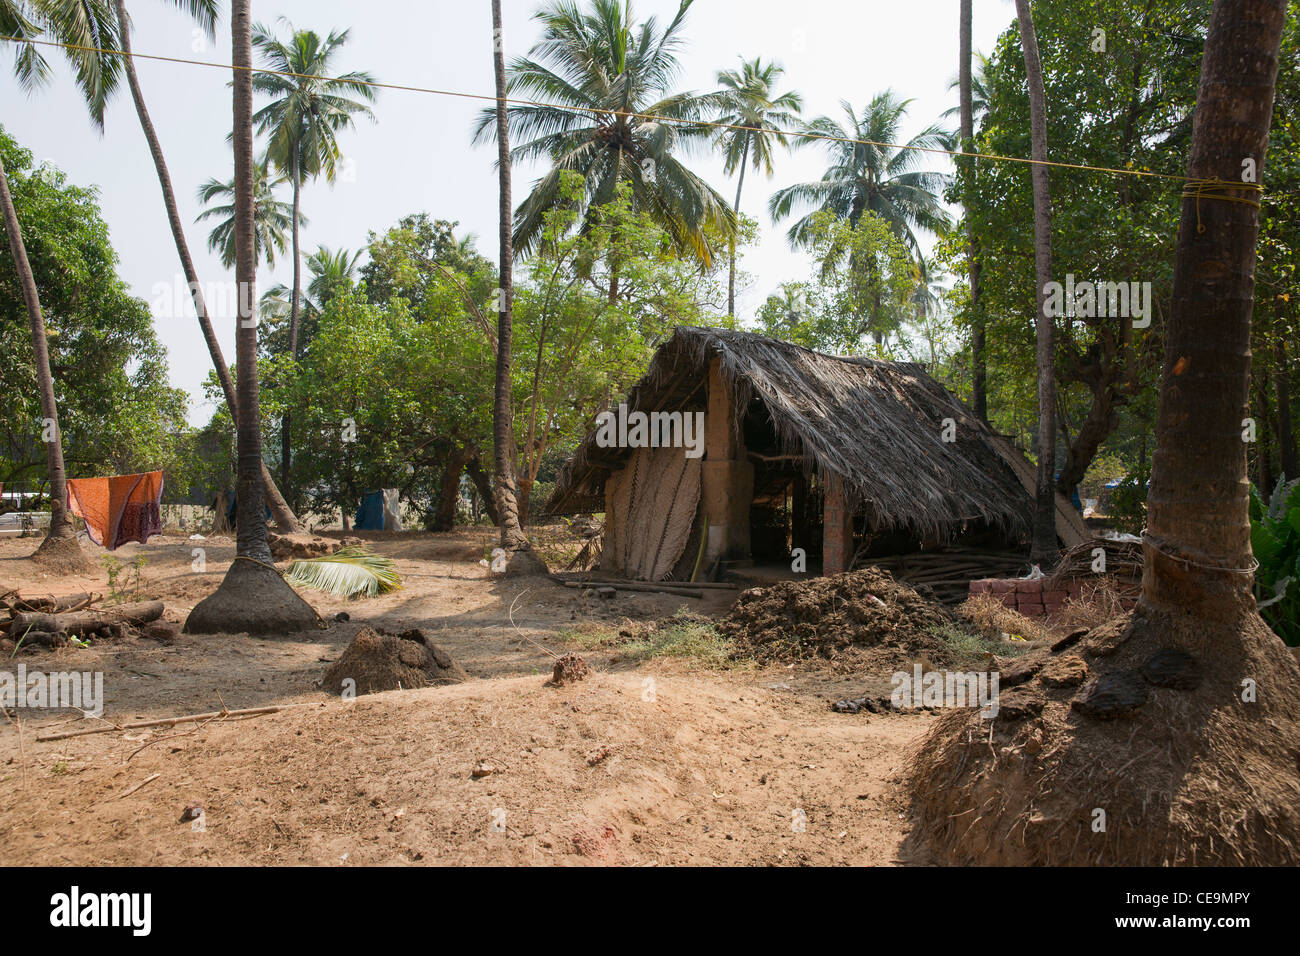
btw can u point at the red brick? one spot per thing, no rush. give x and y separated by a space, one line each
1057 596
1003 587
1029 587
1031 610
982 586
1008 599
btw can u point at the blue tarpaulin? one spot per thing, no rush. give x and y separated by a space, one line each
370 516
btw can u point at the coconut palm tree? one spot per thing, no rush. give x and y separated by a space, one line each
967 86
89 26
272 217
1044 550
978 75
252 597
305 115
205 14
612 115
331 273
1197 507
303 119
886 180
758 119
513 538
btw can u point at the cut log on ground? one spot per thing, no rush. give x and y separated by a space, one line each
84 622
691 592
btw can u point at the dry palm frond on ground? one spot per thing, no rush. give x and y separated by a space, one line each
350 572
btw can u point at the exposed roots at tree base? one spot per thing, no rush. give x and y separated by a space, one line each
1155 759
252 599
63 556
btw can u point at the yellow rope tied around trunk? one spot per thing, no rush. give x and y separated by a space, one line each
1199 189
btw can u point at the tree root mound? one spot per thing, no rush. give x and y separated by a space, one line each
377 661
252 599
62 556
1162 756
525 563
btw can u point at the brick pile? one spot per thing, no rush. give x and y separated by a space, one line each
1029 597
1035 598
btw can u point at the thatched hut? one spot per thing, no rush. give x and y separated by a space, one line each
838 456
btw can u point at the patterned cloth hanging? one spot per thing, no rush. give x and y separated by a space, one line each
120 508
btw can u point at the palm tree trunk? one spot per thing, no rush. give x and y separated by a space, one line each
1282 384
60 525
285 519
251 532
1264 476
286 422
1198 524
979 366
1044 550
731 270
512 534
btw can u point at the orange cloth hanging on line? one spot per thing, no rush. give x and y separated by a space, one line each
118 509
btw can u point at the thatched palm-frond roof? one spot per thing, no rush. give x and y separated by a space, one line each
877 425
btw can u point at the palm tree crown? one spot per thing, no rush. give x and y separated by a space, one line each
758 119
862 176
308 109
88 25
272 217
611 114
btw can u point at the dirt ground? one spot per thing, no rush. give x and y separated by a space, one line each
659 761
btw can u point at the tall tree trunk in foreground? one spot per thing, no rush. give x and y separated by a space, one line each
60 525
978 344
1198 525
251 531
253 598
285 519
731 265
1178 748
1044 550
512 534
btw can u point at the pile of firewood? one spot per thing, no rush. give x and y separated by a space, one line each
54 621
1121 560
947 573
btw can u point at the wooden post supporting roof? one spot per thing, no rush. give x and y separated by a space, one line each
727 479
837 527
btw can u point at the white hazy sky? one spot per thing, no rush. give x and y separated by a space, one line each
418 156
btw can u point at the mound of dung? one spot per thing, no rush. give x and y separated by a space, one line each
377 661
823 616
286 547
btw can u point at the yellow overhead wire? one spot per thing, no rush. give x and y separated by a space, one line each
601 112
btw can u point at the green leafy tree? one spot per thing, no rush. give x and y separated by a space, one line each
85 28
118 415
861 293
